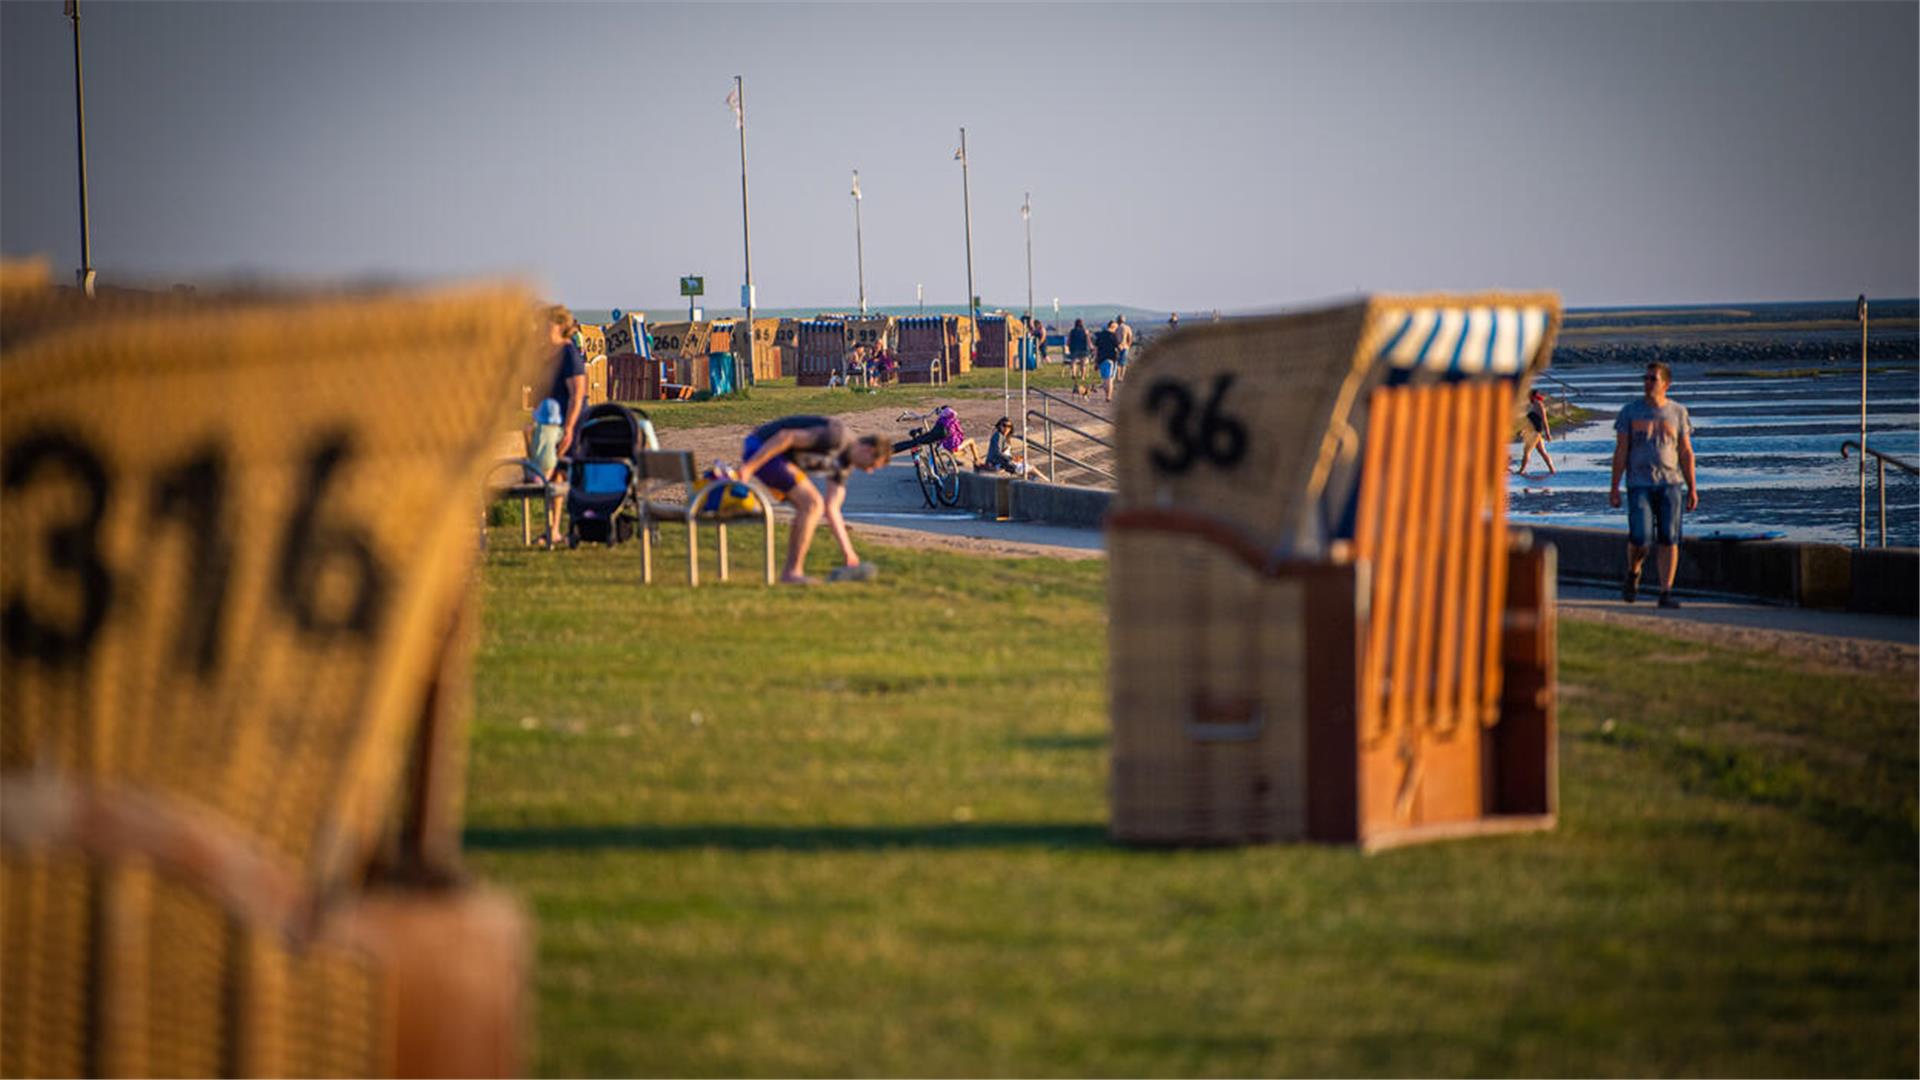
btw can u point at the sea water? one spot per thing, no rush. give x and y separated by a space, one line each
1767 451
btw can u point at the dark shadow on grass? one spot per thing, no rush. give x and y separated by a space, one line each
787 838
1062 742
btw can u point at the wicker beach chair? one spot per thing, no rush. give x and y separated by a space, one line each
1321 628
238 549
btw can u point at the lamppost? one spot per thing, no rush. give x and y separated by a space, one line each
1860 531
859 244
1026 215
80 124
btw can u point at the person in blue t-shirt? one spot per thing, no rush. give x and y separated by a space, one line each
557 415
569 388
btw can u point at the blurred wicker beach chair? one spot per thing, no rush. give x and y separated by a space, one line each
238 550
1321 628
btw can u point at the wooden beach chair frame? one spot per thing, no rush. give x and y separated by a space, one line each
1365 655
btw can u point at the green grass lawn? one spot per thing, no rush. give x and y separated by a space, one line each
775 398
862 830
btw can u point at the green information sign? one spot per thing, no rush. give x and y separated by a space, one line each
692 285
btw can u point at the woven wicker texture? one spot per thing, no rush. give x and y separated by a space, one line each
1270 430
234 535
1208 745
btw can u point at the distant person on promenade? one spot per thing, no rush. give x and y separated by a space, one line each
1106 354
1537 434
1077 344
1173 320
1038 331
1126 347
782 452
1653 449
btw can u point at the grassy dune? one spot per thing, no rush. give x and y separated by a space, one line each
861 830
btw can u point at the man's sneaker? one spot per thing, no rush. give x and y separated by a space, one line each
1630 587
1667 601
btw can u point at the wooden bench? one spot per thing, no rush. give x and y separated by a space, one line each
661 469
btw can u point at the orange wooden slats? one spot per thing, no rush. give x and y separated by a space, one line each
1403 514
1494 483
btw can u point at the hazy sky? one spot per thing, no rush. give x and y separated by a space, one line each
1193 156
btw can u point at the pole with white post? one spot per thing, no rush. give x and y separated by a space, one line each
966 201
859 244
738 100
1026 215
1860 312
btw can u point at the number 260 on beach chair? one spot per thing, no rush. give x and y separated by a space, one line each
1320 626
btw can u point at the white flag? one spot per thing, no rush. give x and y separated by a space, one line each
856 183
733 102
1026 209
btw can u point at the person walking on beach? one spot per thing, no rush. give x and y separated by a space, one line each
1077 356
1106 354
1125 349
782 452
1536 434
1653 449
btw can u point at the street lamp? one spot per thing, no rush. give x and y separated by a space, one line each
859 245
1026 215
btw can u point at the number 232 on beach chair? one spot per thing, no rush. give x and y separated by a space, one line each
234 630
1320 626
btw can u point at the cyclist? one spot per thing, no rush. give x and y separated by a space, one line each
782 452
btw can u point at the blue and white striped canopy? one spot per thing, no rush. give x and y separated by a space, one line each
1458 343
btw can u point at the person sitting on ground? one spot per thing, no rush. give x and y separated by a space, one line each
1536 434
780 453
1106 351
998 457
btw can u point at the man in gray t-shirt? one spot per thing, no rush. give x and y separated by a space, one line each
1653 450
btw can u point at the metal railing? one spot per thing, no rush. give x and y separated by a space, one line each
1881 461
1047 419
1563 400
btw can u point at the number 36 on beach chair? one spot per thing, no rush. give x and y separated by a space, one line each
1321 628
234 630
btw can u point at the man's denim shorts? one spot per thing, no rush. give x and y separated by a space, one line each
1654 513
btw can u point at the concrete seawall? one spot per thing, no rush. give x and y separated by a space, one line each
1827 576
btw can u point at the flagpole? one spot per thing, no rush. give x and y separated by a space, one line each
859 244
746 228
1026 214
966 201
80 123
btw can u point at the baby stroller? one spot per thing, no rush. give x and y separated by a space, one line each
603 472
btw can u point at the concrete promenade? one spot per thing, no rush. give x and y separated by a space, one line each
889 504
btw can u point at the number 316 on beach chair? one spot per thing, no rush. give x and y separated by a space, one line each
1321 628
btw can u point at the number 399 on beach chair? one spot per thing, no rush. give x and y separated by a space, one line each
236 550
1320 626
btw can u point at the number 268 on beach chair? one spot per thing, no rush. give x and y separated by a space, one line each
1321 628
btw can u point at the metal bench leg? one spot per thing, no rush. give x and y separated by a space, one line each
693 554
646 551
766 533
526 523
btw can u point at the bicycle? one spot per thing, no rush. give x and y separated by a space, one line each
934 466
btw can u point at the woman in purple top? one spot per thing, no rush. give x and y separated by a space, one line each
782 452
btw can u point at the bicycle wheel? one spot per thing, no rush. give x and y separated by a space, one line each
946 475
923 471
